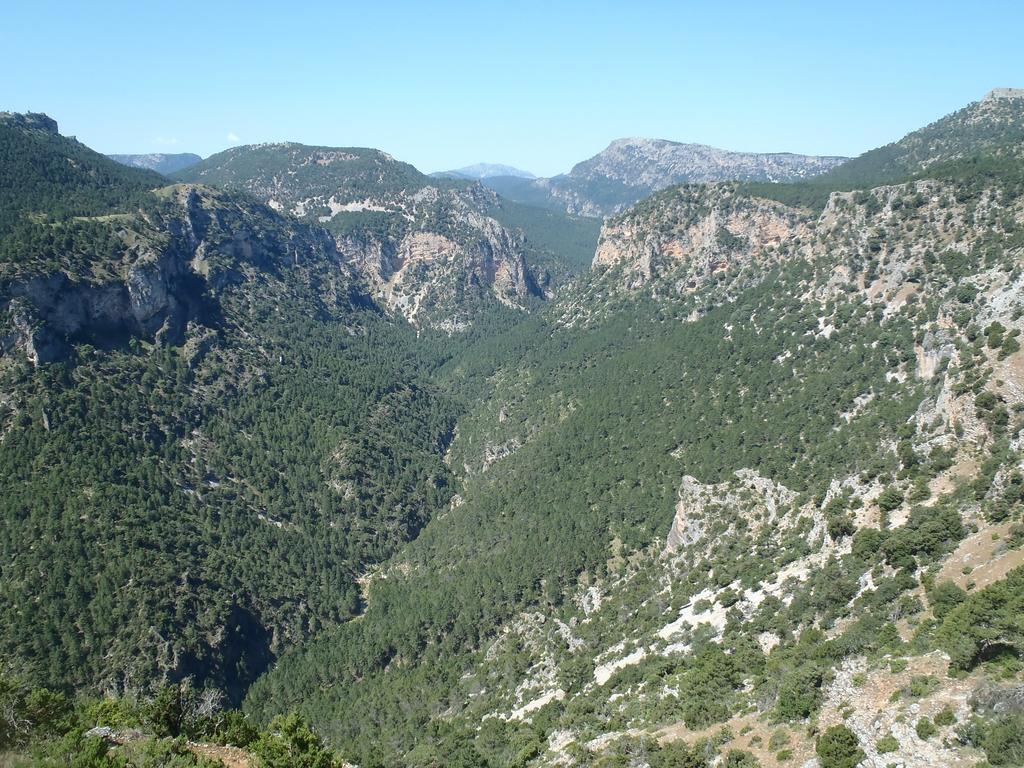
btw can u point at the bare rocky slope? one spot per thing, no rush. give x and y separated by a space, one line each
901 251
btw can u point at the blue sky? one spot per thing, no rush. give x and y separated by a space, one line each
536 85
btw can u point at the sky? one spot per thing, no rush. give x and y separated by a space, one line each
536 85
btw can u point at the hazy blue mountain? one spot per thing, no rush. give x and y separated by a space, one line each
158 161
628 170
484 171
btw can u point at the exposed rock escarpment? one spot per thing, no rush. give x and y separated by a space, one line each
749 491
1004 93
29 121
704 230
174 265
424 272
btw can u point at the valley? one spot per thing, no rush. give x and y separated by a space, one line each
685 458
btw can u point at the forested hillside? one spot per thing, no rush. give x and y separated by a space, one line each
990 128
46 172
208 433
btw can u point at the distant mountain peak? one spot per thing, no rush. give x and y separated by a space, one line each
640 161
484 171
997 94
640 141
159 161
630 168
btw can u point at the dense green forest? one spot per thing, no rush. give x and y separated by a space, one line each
200 506
42 171
216 495
614 415
554 240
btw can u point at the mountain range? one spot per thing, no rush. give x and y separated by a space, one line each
307 458
158 161
630 169
430 248
484 171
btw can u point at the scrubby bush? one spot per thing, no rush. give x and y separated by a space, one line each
890 499
925 729
800 693
985 622
838 747
944 597
886 744
1003 741
945 717
778 739
677 754
290 743
737 758
921 686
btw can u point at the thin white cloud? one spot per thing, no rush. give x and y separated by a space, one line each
233 137
167 141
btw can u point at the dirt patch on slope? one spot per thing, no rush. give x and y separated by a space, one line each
984 556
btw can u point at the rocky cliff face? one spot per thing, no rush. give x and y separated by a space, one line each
427 247
428 269
696 233
29 121
763 500
880 241
175 264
